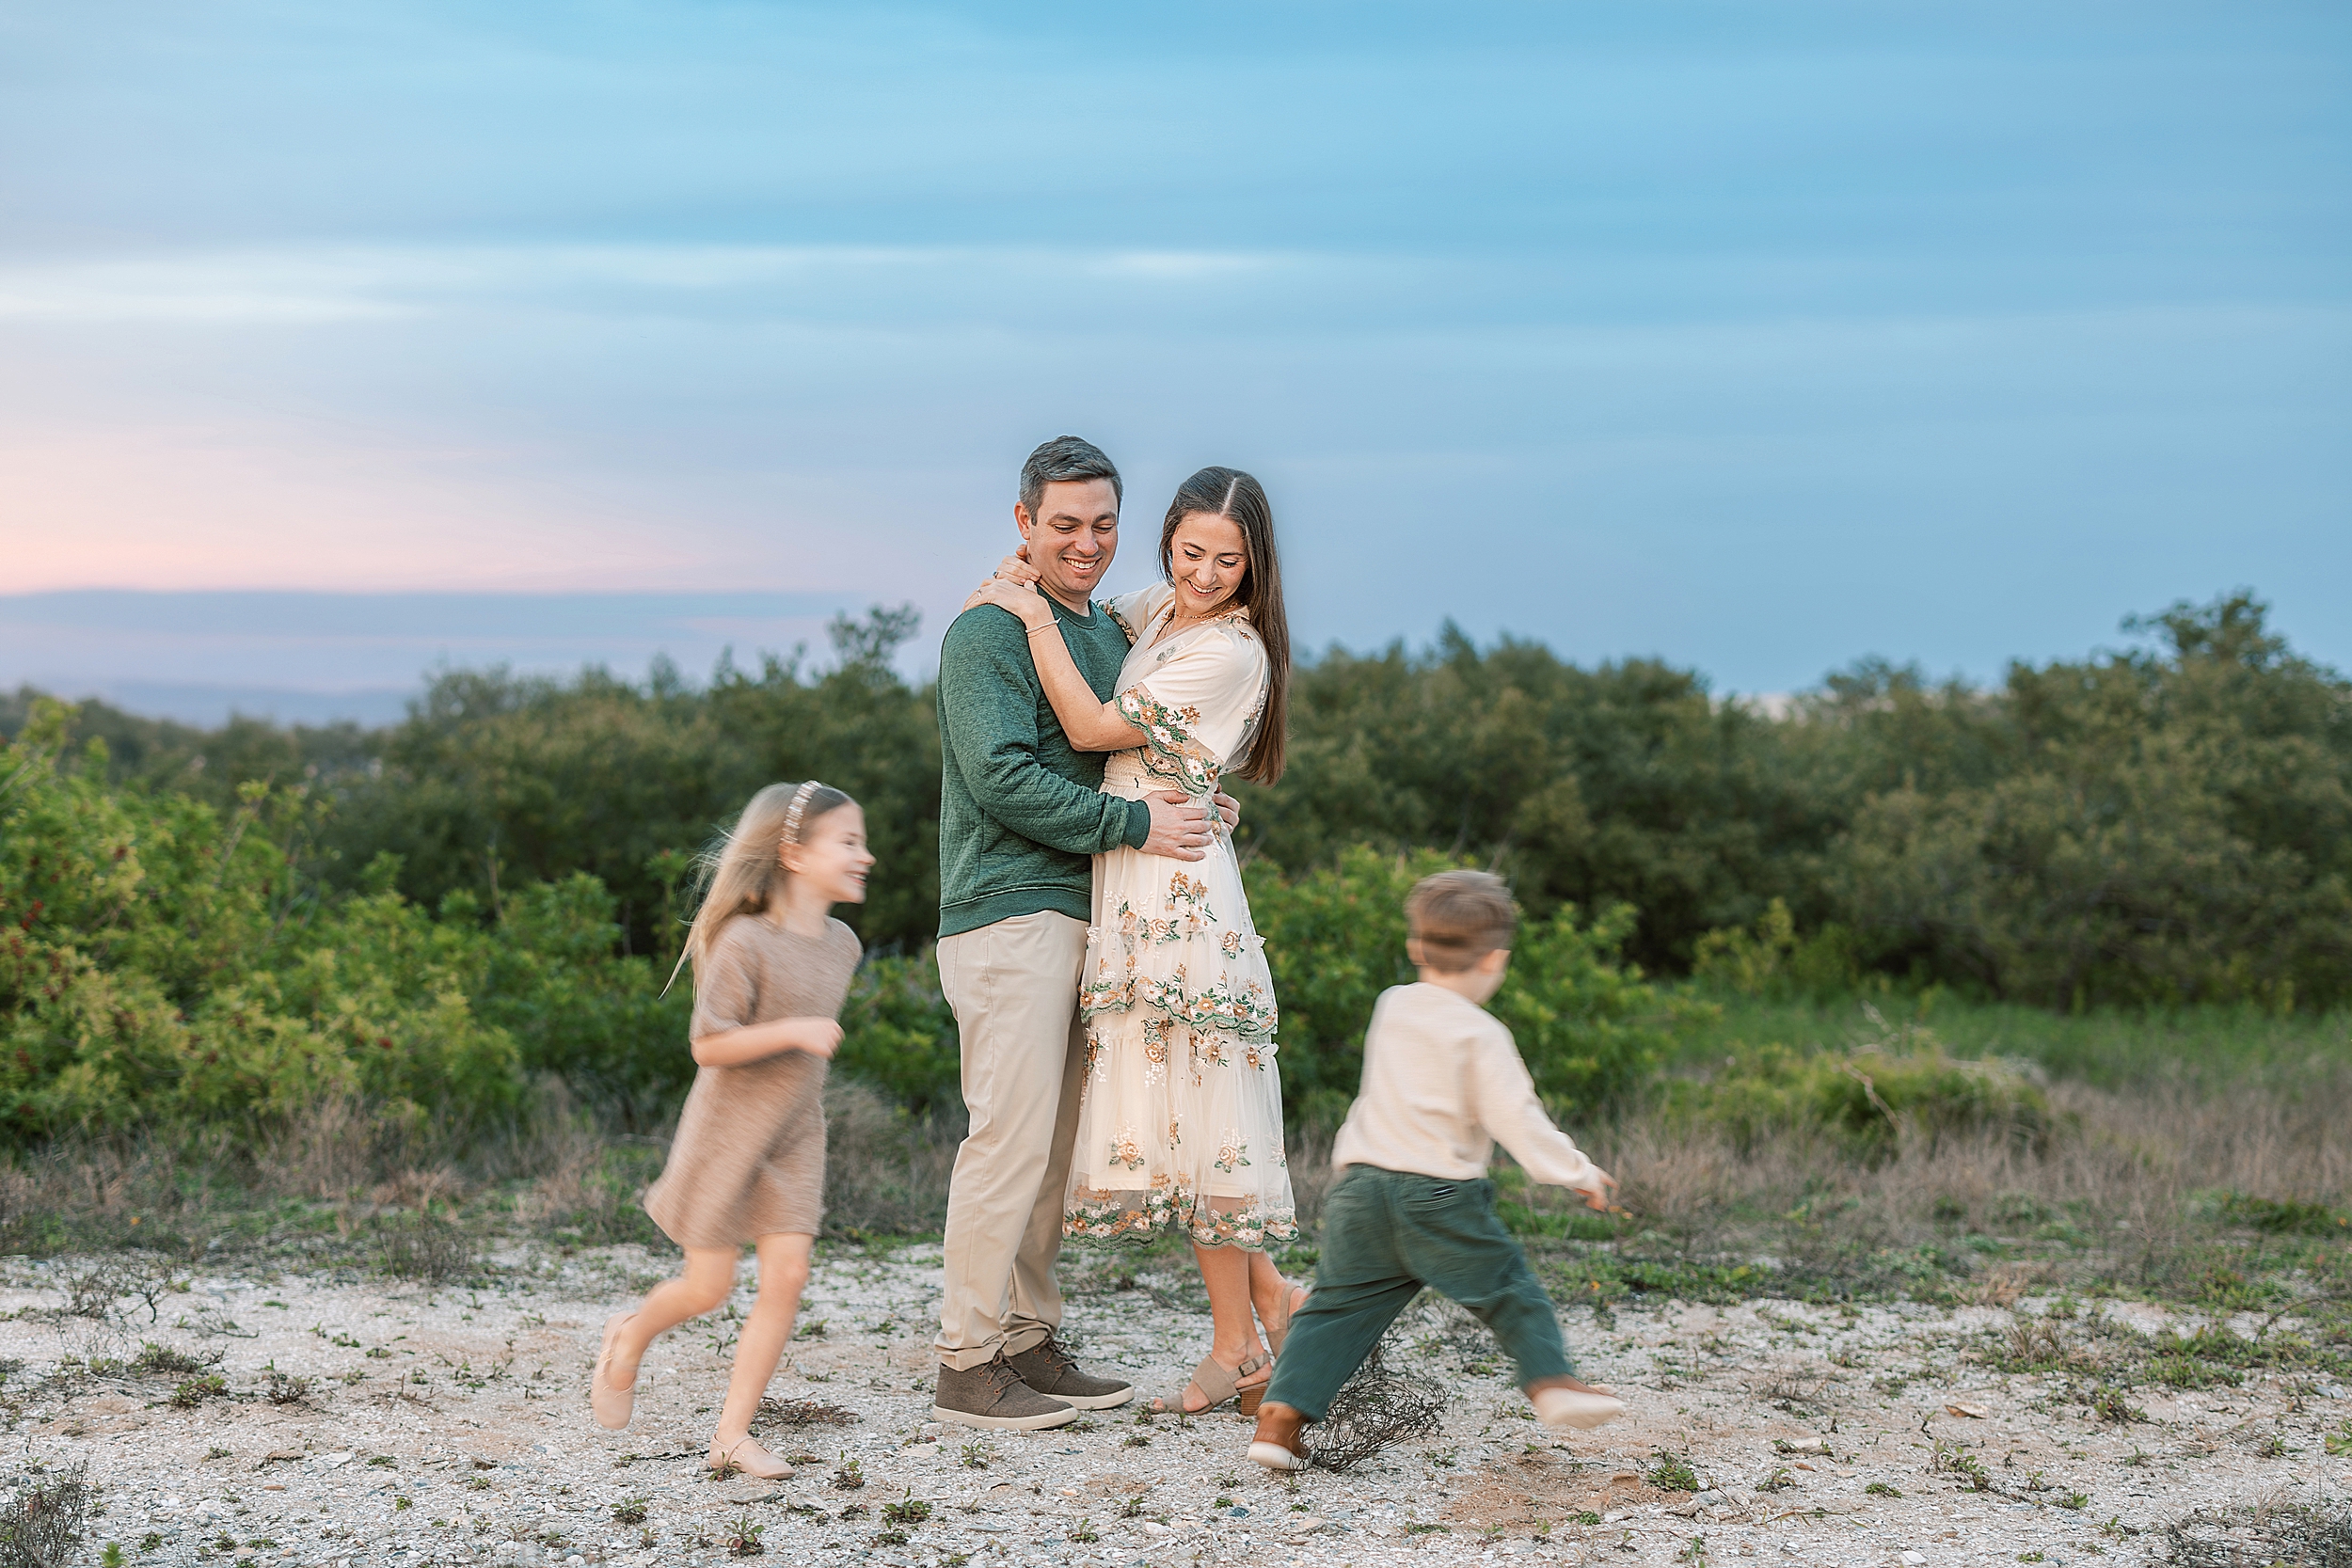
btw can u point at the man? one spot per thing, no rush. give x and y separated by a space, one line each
1020 817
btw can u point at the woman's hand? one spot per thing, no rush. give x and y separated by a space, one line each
1016 568
1023 601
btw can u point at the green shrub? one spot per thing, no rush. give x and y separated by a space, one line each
1589 1027
1872 1099
899 1034
1769 959
552 974
168 962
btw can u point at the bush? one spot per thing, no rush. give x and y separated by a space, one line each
171 962
898 1035
1769 960
1588 1027
1873 1098
496 781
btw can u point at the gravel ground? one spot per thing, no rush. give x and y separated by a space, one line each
451 1426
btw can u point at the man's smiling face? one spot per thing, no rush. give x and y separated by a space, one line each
1072 537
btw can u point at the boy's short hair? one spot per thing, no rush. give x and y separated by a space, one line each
1459 917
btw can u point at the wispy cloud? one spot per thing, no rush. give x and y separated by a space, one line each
338 283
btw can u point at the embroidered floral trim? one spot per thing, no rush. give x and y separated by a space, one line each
1189 915
1165 1207
1246 1014
1170 751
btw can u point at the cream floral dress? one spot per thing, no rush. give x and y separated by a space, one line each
1181 1124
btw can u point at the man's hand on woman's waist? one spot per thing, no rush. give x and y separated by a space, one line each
1180 827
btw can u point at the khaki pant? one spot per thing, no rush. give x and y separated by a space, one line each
1014 989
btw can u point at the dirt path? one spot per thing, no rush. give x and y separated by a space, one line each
446 1426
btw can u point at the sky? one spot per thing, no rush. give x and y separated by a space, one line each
339 342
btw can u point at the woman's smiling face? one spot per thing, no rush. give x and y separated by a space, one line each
1208 559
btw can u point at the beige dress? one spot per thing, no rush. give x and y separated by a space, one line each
749 1158
1180 1128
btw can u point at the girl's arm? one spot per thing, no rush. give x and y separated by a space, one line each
1092 723
757 1042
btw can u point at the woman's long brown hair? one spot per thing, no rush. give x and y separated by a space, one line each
1231 494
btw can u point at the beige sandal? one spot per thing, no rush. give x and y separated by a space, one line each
1294 1297
612 1406
766 1466
1218 1383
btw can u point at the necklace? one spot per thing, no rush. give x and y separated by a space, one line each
1177 623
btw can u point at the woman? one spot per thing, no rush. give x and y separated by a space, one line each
1180 1126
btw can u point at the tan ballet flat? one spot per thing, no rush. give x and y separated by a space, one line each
757 1463
1580 1410
612 1406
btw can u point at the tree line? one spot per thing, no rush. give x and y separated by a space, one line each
2167 822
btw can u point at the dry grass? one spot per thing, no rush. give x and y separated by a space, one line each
2143 1184
884 1169
2138 1163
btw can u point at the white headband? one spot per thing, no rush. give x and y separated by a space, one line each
792 812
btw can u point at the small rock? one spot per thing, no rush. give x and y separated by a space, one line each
1963 1407
1913 1559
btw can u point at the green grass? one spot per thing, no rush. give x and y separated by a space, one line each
2108 1048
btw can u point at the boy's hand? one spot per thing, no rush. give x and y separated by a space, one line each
1597 1188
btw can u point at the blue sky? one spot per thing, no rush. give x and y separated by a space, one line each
1757 337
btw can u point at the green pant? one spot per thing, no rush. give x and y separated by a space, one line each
1386 1234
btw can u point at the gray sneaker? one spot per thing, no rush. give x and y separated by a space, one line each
993 1397
1054 1372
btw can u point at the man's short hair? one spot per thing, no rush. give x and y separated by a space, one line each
1459 917
1065 457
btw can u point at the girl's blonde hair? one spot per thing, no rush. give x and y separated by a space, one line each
738 870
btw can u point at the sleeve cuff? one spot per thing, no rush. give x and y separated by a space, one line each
1138 824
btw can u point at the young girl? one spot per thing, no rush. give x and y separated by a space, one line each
748 1165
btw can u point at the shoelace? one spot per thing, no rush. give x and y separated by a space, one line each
1054 1354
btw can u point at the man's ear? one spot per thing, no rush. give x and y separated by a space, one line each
1022 521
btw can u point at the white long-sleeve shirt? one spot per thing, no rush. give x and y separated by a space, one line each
1443 1084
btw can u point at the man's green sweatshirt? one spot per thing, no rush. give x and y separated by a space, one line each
1020 811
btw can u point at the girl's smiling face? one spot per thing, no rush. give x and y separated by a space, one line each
1208 559
831 860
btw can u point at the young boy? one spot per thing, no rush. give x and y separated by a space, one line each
1443 1081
